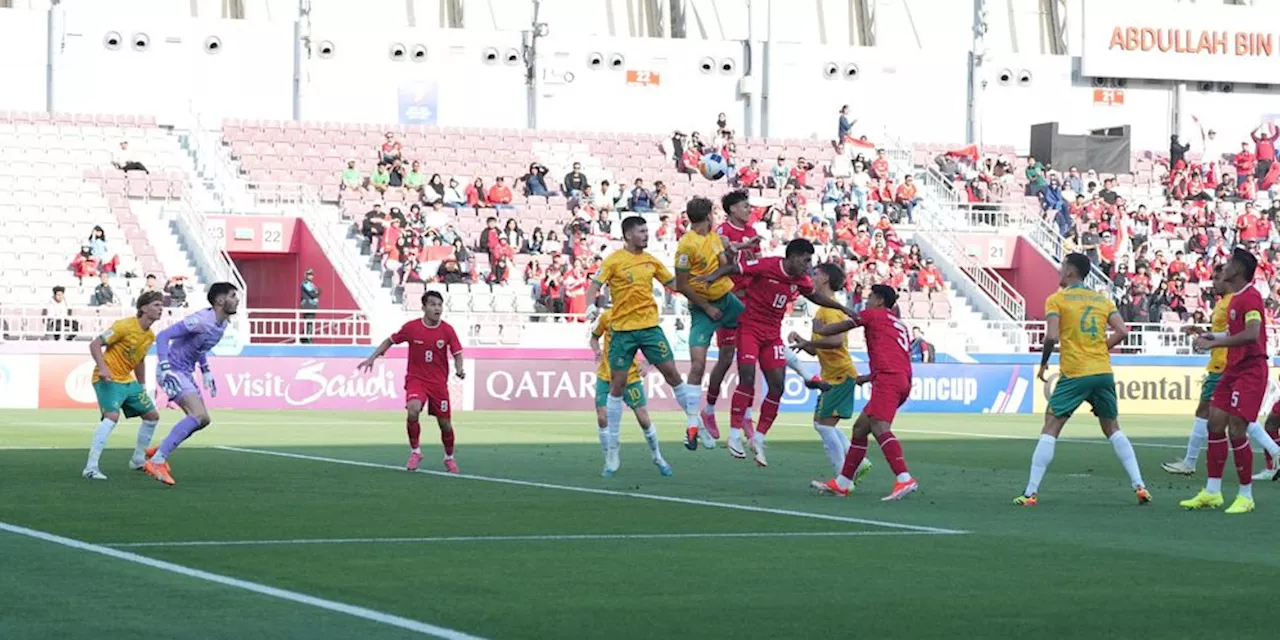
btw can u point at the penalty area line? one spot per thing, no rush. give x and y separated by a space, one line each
245 585
525 538
606 492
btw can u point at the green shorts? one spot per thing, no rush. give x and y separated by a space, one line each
652 342
129 396
634 394
1210 383
837 402
703 327
1098 390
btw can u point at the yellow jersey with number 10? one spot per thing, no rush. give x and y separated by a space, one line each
1082 330
836 365
126 345
630 277
1218 357
603 332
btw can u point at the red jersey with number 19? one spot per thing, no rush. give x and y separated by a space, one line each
887 342
768 291
429 350
1246 306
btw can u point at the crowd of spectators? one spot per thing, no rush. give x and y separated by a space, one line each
96 261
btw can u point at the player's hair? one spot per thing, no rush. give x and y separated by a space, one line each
631 222
147 298
59 289
799 247
886 293
1217 268
218 290
835 275
432 294
1079 263
732 198
698 209
1246 261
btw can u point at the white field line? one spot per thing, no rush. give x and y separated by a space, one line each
528 538
606 492
273 592
999 436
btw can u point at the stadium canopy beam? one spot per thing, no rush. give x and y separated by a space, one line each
865 14
1054 14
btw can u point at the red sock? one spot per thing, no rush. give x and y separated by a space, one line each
892 450
415 430
1243 454
446 438
1216 458
768 413
742 399
854 457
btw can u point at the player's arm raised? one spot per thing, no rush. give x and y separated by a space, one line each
1119 332
1051 322
727 268
836 328
824 300
811 346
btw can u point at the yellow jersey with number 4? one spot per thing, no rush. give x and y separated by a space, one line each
126 345
1218 357
603 332
836 365
630 277
699 254
1082 330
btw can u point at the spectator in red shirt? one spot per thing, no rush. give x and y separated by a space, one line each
1265 147
861 245
1247 224
880 166
499 194
500 273
749 176
391 149
664 231
85 265
1179 265
907 196
1246 163
799 177
1107 253
575 294
929 279
477 195
1202 272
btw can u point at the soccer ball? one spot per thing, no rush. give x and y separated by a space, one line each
713 166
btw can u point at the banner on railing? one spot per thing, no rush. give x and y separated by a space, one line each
1166 391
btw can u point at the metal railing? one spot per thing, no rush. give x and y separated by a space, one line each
984 278
291 326
214 263
304 326
1144 338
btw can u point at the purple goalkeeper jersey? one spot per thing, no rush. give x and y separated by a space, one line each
187 343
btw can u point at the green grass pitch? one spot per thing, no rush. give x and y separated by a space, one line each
537 545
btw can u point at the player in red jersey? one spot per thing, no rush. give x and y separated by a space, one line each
889 349
739 238
1238 397
770 285
426 381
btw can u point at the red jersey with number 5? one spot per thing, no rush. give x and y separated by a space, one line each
768 291
1245 307
429 350
887 342
734 233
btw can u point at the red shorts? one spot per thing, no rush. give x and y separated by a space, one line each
1275 410
888 394
435 397
726 337
1240 391
758 348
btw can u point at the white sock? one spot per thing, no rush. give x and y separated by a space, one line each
1213 485
1246 491
793 362
688 396
844 443
843 482
1199 437
146 431
735 434
651 438
831 445
1040 459
417 450
603 434
746 414
1128 459
613 418
1260 437
100 436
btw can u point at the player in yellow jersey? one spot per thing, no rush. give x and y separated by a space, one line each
1080 317
629 273
120 380
835 368
635 398
712 306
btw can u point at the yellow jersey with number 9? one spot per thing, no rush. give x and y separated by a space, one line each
630 277
602 331
1082 330
1218 357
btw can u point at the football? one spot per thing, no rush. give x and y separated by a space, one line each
713 166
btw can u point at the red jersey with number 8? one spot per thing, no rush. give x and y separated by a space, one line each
1246 306
887 342
429 350
768 291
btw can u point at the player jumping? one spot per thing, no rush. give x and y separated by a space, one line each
120 353
635 398
1218 363
889 351
1238 397
180 348
836 402
713 306
771 285
629 273
1079 317
426 379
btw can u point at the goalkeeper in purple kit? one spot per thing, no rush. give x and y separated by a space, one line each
180 349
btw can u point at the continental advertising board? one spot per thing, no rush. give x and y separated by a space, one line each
1150 390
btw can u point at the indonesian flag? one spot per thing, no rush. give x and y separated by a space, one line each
967 151
859 142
